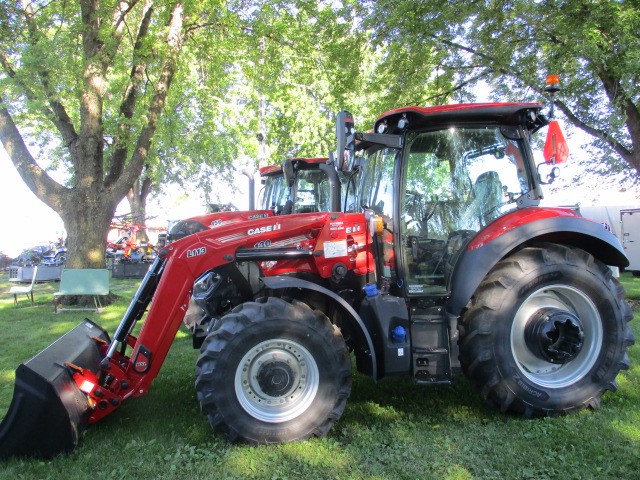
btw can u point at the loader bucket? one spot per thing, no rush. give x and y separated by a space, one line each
48 411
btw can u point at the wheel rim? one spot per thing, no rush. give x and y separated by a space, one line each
579 313
277 380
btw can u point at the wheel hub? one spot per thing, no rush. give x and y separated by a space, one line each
275 378
554 335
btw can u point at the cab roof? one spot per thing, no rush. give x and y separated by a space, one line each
277 169
417 118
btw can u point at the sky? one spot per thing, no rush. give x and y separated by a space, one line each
24 220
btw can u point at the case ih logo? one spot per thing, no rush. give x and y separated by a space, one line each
269 228
259 215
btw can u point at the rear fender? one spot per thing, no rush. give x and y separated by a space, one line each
525 227
366 355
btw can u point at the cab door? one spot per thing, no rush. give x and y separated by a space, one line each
377 193
454 182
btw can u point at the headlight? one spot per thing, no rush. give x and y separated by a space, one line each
205 285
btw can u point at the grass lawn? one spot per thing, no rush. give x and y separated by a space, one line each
390 430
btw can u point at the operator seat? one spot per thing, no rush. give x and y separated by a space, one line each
488 194
287 209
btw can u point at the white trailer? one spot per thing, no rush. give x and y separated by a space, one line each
624 223
608 215
630 225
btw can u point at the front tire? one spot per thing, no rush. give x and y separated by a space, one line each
273 371
546 332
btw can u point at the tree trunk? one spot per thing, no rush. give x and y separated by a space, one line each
102 173
137 198
87 219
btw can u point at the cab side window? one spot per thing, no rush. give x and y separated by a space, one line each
376 193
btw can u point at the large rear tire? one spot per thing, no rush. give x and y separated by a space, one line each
273 371
546 332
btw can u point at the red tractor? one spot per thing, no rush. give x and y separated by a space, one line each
447 265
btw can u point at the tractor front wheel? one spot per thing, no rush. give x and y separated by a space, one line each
546 332
273 371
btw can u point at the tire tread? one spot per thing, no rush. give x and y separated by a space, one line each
251 313
477 324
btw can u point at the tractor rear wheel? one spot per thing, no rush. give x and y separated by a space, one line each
273 371
546 332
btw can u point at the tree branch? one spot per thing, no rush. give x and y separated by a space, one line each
38 181
91 23
139 157
117 32
127 107
145 189
614 91
594 132
56 111
618 96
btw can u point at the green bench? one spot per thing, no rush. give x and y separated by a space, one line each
82 281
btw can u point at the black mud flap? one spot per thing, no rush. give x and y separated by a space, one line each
48 411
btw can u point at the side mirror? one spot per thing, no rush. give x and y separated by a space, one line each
552 174
556 149
345 138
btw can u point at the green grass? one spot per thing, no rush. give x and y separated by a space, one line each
390 430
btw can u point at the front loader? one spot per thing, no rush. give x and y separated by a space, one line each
299 185
449 265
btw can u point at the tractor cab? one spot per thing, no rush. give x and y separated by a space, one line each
298 186
307 185
273 193
437 177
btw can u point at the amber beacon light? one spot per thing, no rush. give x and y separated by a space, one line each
552 84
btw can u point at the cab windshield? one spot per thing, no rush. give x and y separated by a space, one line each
274 194
450 183
312 192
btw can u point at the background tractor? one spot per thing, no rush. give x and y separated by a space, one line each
311 185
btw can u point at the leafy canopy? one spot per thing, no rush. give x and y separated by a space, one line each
513 45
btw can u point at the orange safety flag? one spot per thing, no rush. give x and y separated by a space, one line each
556 149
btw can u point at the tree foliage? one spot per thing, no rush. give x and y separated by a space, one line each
513 45
84 86
102 100
304 61
302 65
